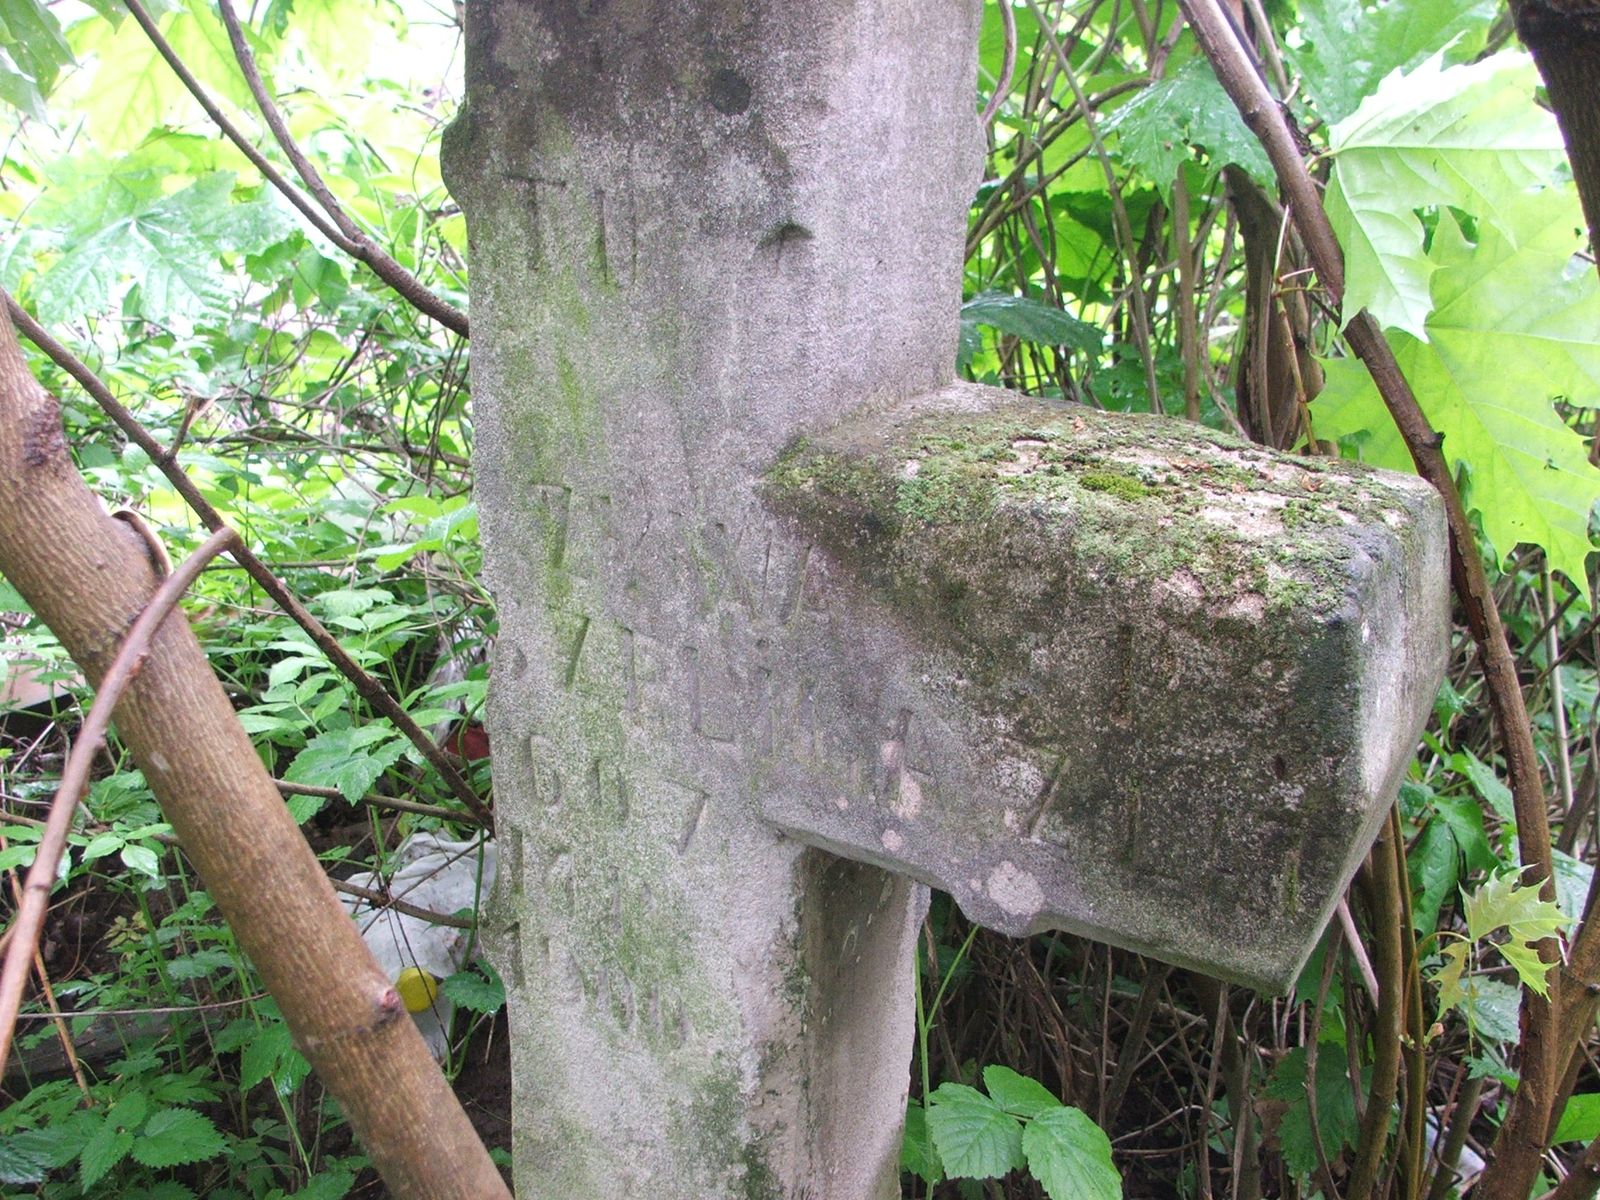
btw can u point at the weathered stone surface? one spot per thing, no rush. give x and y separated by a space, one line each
1157 685
696 228
700 231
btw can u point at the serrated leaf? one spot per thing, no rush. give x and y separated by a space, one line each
103 1151
1531 969
1347 46
1017 1094
1503 902
917 1154
1336 1110
975 1137
1512 329
472 991
175 1136
128 1111
1188 108
170 248
326 1185
24 1157
1467 137
1071 1156
263 1054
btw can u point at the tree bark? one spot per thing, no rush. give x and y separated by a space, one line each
87 577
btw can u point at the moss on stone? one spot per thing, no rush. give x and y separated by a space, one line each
1101 501
1116 483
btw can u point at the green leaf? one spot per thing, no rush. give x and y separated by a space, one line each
34 42
1188 108
471 990
1336 1108
1347 46
13 857
128 1111
143 860
25 1157
1024 317
1486 783
1465 819
975 1137
20 92
326 1185
101 845
132 91
1573 878
1512 330
264 1054
171 248
348 759
917 1154
1434 866
1468 137
1505 903
104 1150
1580 1122
1491 1009
175 1136
1071 1156
1017 1094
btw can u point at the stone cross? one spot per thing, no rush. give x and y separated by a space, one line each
794 626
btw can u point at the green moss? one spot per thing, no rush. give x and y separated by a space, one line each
938 495
1117 484
714 1131
936 502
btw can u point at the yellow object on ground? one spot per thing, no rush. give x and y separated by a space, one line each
417 989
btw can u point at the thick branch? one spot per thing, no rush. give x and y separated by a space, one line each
35 899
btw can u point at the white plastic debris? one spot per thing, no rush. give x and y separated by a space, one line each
439 875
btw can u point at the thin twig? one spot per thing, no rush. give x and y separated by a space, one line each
343 233
1008 63
389 802
231 131
1120 222
380 900
1387 1029
75 780
1357 951
369 688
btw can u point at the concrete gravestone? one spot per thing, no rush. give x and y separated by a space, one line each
792 625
